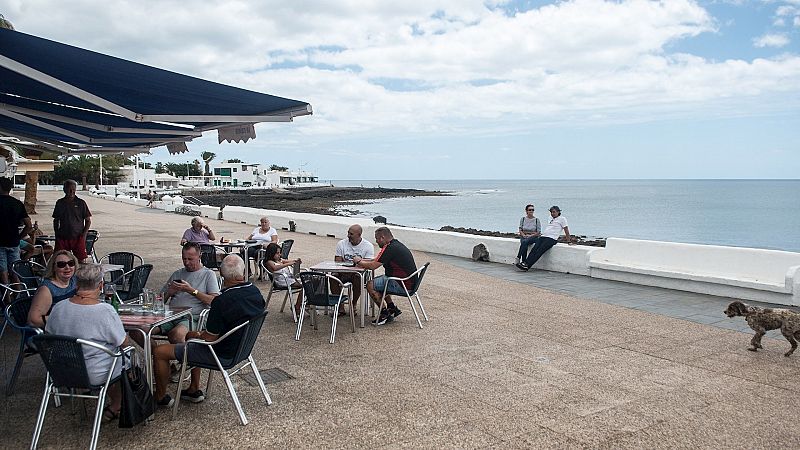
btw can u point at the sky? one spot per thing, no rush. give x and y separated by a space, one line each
465 89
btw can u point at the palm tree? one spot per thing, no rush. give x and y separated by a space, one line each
84 165
5 24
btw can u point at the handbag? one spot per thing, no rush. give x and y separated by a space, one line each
137 399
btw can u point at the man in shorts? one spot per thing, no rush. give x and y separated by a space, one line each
346 250
238 302
71 222
12 217
397 261
193 286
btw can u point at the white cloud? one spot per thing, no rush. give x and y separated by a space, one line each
796 21
771 40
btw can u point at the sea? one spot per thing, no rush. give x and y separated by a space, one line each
743 213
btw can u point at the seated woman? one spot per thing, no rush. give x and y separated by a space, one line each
530 228
548 239
264 233
85 316
283 275
199 232
58 284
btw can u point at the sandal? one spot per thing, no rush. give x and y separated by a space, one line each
110 415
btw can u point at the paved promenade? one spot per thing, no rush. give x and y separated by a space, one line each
508 360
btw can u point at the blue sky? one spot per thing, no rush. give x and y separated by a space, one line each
455 89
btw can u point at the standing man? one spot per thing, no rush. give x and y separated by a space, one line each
239 301
397 261
12 217
194 286
346 250
71 222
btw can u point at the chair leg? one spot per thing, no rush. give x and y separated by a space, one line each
300 320
5 324
421 308
20 357
260 381
333 325
98 418
234 397
37 430
352 314
208 383
414 309
180 383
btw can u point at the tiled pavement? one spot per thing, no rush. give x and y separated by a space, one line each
699 308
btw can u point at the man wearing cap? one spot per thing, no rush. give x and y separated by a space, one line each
548 238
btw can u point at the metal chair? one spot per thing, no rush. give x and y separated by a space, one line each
275 287
125 259
409 292
208 257
135 281
247 334
66 374
286 247
17 316
26 271
11 292
317 294
91 238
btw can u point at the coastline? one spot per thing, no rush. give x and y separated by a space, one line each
327 200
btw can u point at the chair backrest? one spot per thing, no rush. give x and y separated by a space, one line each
208 256
421 274
137 280
17 311
248 337
125 259
26 274
315 288
286 247
91 237
63 357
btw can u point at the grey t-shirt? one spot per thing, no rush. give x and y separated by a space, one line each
530 225
204 280
97 323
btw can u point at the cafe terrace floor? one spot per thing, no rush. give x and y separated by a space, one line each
508 360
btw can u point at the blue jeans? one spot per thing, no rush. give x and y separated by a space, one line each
524 242
542 246
394 286
8 256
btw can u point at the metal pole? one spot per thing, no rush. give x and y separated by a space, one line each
101 170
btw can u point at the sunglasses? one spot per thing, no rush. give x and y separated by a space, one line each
62 264
529 209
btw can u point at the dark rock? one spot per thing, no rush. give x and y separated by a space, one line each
379 219
479 253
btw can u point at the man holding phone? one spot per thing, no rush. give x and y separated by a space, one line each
194 286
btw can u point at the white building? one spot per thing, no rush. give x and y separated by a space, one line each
230 174
146 178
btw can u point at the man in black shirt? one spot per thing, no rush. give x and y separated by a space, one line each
12 217
238 302
397 261
71 222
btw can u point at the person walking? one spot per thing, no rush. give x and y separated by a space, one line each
12 217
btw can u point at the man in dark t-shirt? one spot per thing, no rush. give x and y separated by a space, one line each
12 217
397 261
71 222
238 302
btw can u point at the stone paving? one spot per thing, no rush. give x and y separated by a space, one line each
508 360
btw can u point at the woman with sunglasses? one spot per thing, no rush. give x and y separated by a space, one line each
530 228
58 284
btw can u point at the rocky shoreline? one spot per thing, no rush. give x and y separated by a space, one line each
327 200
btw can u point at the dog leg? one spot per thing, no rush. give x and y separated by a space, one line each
756 341
789 337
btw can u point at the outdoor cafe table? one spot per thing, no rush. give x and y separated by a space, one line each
243 247
341 267
134 318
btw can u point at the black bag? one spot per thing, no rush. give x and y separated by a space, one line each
137 400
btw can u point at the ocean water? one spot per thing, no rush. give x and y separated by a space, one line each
744 213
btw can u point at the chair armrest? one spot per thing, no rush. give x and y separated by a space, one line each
122 277
416 272
204 342
102 348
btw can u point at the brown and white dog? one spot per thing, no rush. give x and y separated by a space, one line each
762 320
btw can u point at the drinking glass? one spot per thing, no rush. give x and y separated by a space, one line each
109 292
158 304
147 299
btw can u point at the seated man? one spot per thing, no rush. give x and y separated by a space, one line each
239 301
194 286
397 261
199 233
346 250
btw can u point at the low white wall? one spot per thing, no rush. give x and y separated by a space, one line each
729 262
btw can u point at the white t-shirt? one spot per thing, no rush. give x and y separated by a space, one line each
553 229
267 237
347 251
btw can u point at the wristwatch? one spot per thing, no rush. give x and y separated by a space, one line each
195 292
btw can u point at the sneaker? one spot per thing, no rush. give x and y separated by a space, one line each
194 397
384 318
166 401
394 310
522 267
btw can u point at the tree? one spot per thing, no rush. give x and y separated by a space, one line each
207 158
278 168
85 165
180 169
160 167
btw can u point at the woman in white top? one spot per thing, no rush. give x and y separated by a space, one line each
263 233
548 238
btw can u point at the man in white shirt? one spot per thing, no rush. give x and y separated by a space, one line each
346 249
548 239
